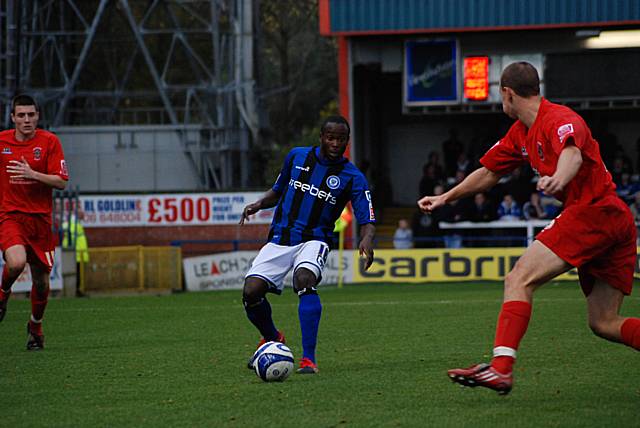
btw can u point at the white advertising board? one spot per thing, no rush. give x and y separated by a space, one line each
179 209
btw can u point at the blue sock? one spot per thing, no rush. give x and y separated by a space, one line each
309 312
260 315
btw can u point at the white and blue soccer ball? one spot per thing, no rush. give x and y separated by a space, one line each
273 362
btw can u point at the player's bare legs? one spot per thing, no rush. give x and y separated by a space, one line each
537 265
39 300
15 258
604 304
309 314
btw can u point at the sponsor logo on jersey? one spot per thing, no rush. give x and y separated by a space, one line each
333 182
313 191
565 130
37 153
540 152
6 151
305 169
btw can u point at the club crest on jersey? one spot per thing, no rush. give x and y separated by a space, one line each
37 153
333 182
564 130
524 152
540 152
6 151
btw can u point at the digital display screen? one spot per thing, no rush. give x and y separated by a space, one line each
476 78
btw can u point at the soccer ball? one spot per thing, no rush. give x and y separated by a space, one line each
273 362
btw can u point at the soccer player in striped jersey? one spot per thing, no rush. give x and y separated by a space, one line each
31 165
313 187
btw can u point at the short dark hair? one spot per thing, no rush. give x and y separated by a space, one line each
522 77
335 119
23 100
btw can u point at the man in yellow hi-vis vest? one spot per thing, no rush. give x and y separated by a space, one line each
72 227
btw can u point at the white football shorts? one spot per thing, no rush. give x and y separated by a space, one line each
274 262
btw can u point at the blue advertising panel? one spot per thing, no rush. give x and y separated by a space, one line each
431 72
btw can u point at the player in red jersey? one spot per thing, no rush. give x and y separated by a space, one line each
595 232
31 165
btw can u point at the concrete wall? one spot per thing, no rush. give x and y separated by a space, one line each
127 159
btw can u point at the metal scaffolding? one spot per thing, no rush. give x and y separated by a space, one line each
134 62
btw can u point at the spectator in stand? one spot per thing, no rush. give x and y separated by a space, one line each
509 210
464 164
635 207
446 213
626 189
451 147
518 184
533 209
551 205
619 168
482 209
434 159
457 178
635 210
403 237
429 179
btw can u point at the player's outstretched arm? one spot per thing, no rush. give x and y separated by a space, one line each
22 170
367 231
268 200
479 180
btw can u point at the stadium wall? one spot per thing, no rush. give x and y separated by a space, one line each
128 158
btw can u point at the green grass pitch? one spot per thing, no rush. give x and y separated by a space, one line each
179 360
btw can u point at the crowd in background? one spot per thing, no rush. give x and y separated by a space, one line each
515 198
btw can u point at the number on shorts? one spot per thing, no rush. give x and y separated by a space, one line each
322 255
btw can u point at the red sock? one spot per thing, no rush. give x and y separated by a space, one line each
512 325
38 304
630 333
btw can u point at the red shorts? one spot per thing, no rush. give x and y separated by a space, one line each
34 232
599 239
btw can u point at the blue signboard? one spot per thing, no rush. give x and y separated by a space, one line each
431 72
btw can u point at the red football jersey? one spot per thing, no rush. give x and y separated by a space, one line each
541 146
44 154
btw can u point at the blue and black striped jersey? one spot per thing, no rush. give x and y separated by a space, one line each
313 192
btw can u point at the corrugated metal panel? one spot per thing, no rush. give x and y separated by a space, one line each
408 15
